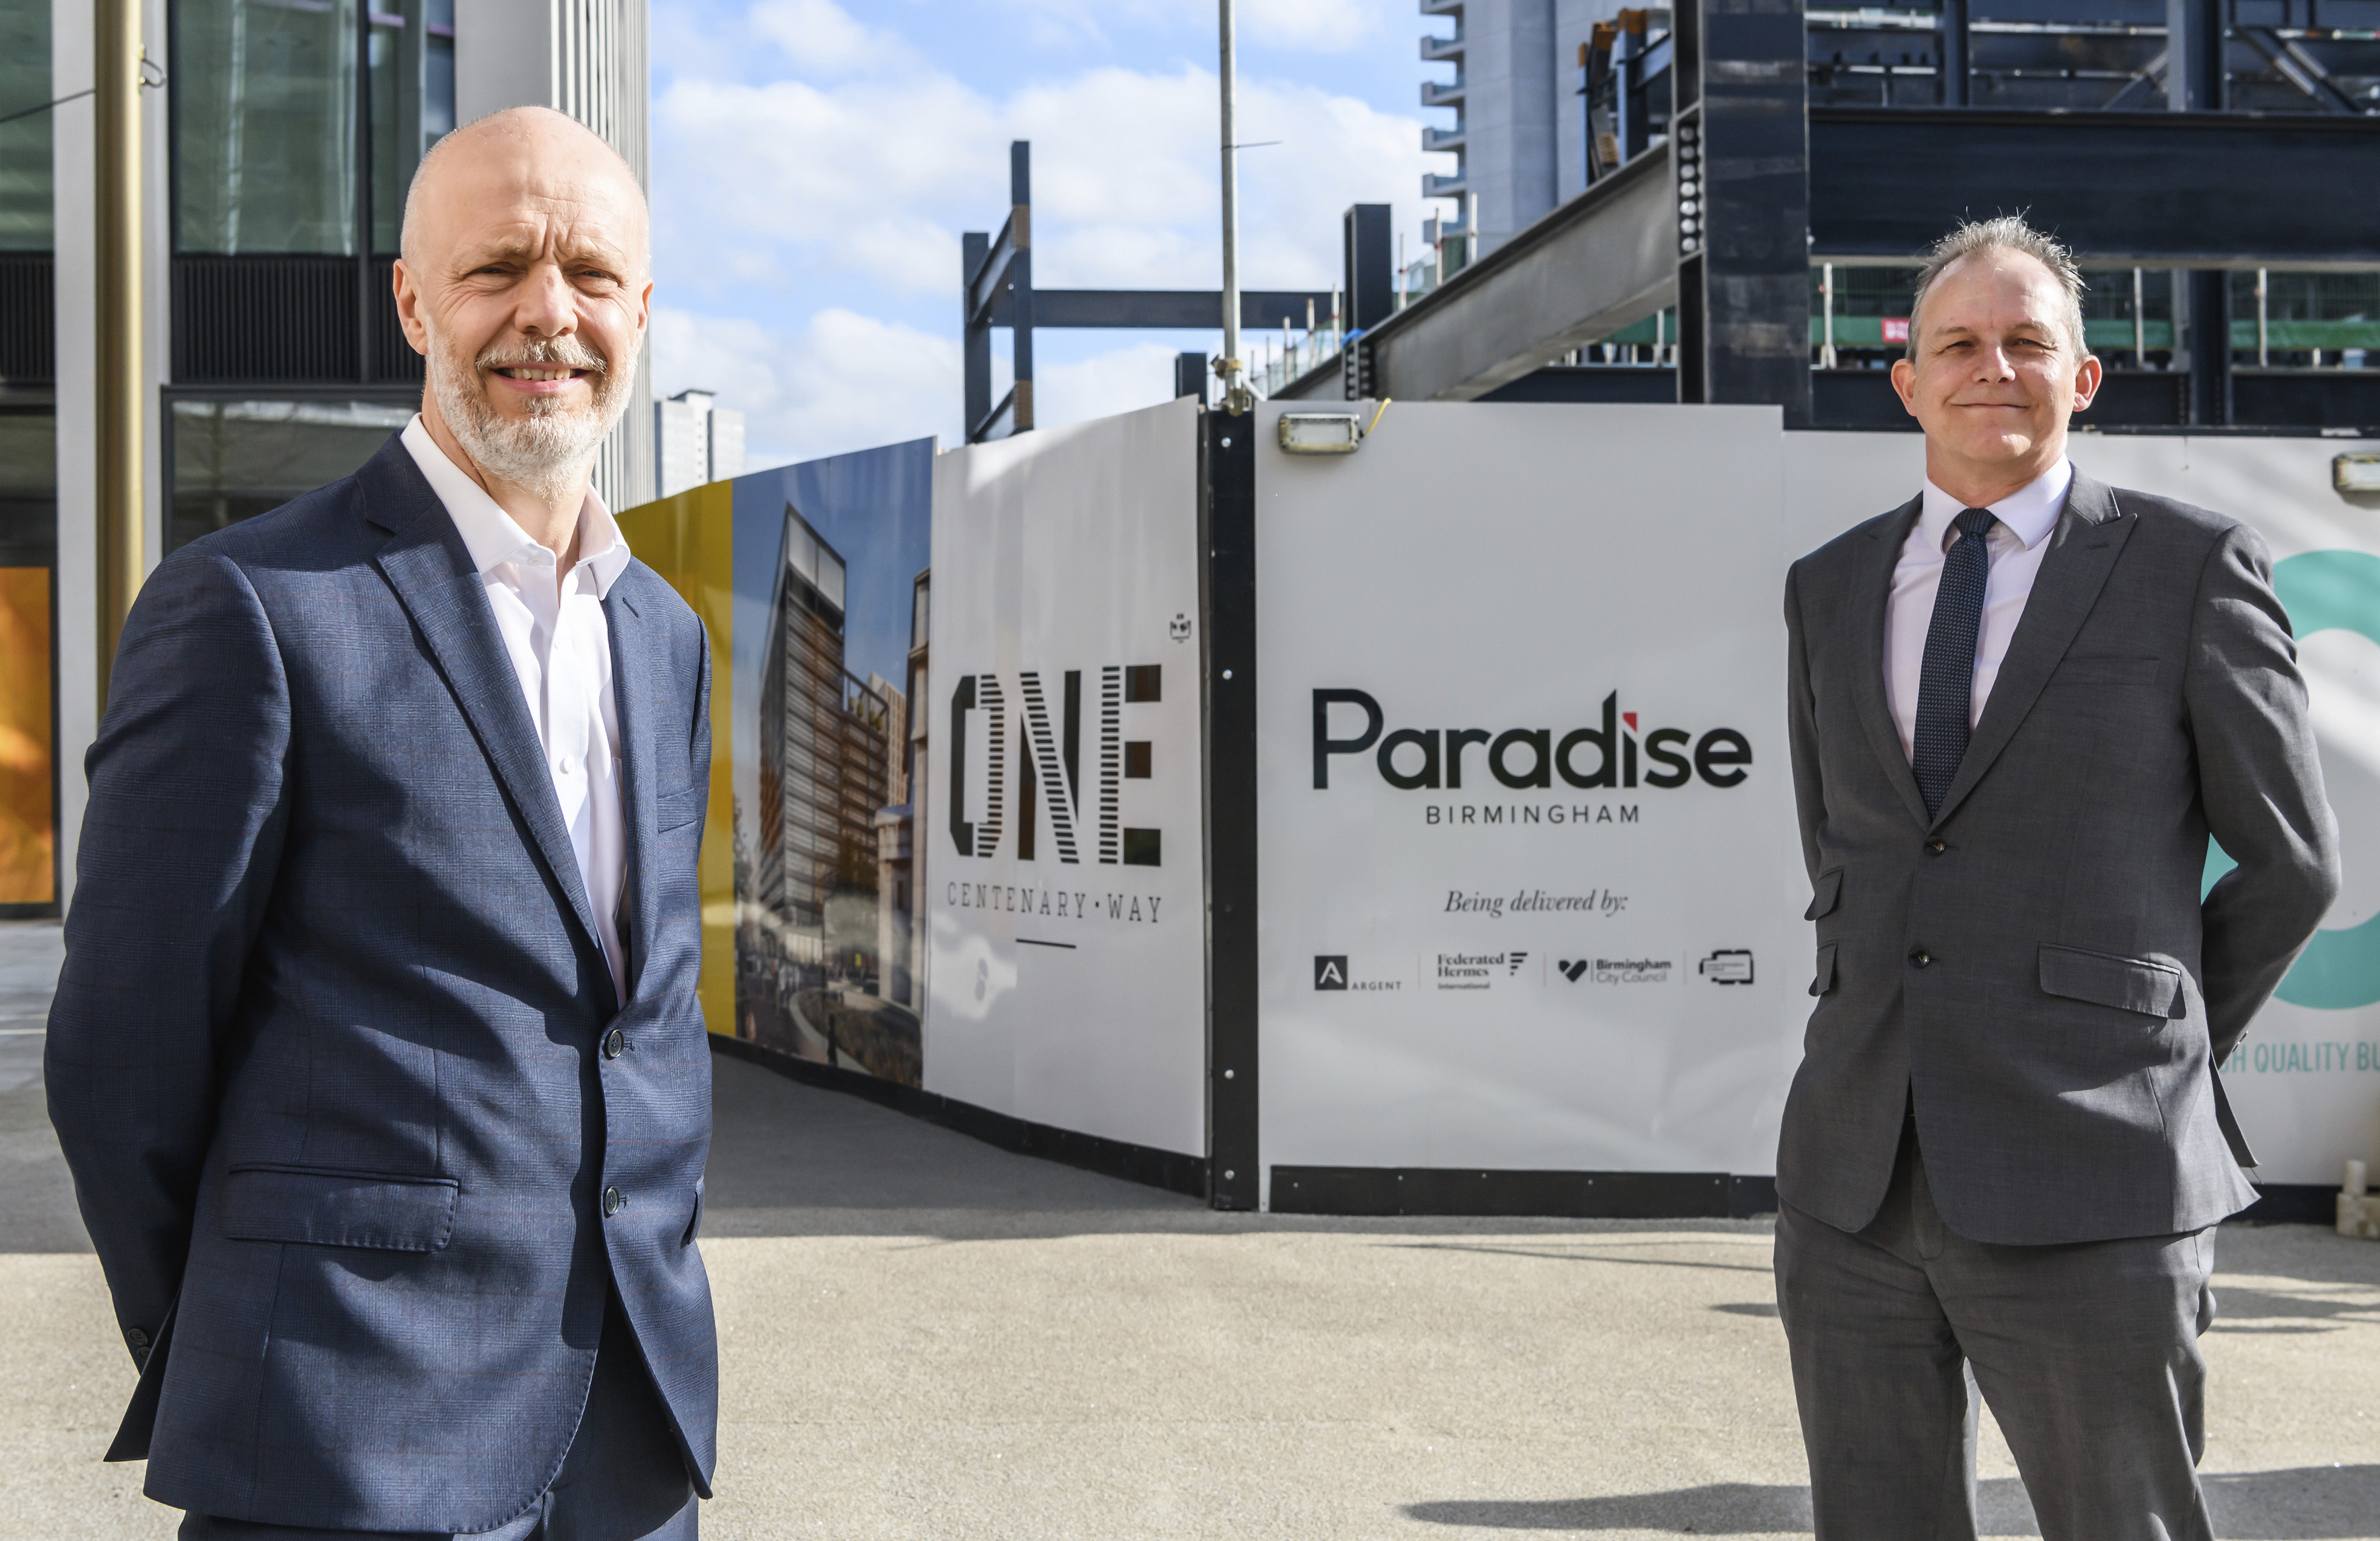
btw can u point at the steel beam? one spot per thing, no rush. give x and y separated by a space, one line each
2147 189
1166 310
1606 259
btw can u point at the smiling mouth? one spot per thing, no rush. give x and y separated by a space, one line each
529 372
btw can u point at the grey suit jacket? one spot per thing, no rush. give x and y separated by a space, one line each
336 1060
2032 968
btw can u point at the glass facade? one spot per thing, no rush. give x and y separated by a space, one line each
25 172
236 459
29 512
268 148
265 131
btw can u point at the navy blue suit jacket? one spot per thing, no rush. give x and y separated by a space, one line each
326 1056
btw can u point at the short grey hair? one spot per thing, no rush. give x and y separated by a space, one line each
2007 233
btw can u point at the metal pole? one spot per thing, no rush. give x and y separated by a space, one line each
1236 398
2140 326
1401 270
2264 353
116 76
1826 288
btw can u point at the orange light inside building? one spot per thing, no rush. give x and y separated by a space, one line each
28 820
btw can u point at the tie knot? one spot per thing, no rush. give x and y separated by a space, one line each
1975 521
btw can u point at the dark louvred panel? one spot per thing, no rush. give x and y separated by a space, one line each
266 320
29 331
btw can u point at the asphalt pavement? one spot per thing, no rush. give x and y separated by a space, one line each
924 1337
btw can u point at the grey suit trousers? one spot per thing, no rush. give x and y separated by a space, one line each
622 1480
2087 1354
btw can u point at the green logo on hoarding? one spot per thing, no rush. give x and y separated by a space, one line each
2325 591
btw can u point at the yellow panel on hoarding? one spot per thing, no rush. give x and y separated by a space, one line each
689 540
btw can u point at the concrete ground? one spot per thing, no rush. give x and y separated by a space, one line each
922 1337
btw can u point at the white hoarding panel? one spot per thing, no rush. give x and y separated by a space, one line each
1530 890
1482 945
1064 823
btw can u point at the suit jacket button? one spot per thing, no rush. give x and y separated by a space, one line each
136 1339
1936 846
1921 957
613 1202
615 1043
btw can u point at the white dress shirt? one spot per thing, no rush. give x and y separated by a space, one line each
2016 543
554 630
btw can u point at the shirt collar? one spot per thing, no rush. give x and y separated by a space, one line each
2030 512
494 537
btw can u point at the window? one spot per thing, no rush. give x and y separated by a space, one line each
25 175
267 145
236 459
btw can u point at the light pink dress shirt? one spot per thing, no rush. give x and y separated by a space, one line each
2016 544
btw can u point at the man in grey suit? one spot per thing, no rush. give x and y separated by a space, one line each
377 1056
2020 705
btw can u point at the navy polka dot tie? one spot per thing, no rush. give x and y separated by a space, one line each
1945 684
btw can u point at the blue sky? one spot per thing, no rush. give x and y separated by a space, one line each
813 165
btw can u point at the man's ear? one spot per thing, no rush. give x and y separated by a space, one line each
408 308
2087 376
1904 384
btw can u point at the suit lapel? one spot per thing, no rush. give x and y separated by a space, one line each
2090 535
426 561
632 687
1871 592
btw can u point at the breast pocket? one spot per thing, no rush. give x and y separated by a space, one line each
2152 990
2106 672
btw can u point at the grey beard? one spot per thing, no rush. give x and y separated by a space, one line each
542 453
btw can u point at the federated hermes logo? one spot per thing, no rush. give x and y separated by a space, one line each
1040 765
1618 754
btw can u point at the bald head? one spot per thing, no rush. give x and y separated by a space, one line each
522 155
526 282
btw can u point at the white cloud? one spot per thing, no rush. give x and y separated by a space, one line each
843 382
820 35
1129 378
876 176
1318 26
801 204
1312 26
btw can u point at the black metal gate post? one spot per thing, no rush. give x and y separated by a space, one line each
1740 160
1228 511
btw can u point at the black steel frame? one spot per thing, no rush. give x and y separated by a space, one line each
996 290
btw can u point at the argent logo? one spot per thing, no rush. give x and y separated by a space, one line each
1412 758
1330 972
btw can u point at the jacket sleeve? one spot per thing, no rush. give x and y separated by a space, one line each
2260 782
1802 726
179 842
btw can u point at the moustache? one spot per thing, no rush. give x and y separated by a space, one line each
566 352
